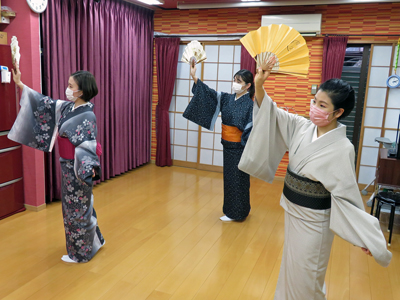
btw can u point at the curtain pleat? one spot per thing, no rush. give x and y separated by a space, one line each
114 40
333 56
246 61
167 50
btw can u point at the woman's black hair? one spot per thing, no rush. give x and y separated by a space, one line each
247 77
86 83
341 94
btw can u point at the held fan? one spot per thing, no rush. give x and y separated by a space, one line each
16 56
285 43
194 51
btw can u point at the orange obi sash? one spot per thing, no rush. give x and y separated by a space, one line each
231 134
67 149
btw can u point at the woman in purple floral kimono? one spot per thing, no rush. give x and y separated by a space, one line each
40 122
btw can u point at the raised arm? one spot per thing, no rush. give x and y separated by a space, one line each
193 70
262 75
17 76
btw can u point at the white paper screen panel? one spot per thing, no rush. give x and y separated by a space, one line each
369 156
206 156
193 138
376 97
392 118
181 103
391 135
382 56
207 140
224 86
180 137
225 72
373 117
172 136
183 70
238 50
366 174
226 54
394 98
193 126
212 53
210 71
211 84
180 121
182 87
378 76
218 158
179 153
369 137
217 142
192 154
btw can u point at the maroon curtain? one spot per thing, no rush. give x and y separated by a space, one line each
246 61
167 50
114 40
333 57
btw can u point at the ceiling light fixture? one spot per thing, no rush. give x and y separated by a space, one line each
265 3
152 2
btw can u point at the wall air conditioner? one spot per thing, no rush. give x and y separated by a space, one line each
306 24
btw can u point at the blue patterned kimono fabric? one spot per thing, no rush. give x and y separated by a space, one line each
203 110
36 126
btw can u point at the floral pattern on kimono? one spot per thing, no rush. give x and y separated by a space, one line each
37 124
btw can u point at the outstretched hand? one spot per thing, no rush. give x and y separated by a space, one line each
16 75
264 71
366 251
193 67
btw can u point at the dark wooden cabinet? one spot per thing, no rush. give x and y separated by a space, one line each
11 182
388 169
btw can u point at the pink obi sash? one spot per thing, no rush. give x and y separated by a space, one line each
67 149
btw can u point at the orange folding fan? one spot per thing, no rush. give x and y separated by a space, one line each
283 42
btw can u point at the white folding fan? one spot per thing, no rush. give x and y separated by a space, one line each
16 56
194 51
285 43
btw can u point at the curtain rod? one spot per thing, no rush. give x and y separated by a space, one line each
239 35
203 37
329 34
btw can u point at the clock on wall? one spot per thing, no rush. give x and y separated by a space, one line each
393 81
38 6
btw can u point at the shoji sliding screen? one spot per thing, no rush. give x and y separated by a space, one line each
191 145
381 110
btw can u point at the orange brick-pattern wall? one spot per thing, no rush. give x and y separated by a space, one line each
289 91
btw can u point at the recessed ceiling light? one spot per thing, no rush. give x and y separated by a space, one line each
152 2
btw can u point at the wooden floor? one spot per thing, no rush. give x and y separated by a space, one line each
165 241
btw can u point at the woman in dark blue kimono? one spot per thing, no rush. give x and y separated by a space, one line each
236 113
40 122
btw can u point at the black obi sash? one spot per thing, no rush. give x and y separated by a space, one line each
306 192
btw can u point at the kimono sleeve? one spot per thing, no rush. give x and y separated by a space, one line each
349 220
270 137
204 107
247 125
36 123
83 137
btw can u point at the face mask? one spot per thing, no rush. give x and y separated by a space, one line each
318 116
70 94
236 87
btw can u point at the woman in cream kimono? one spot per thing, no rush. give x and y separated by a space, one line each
321 195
